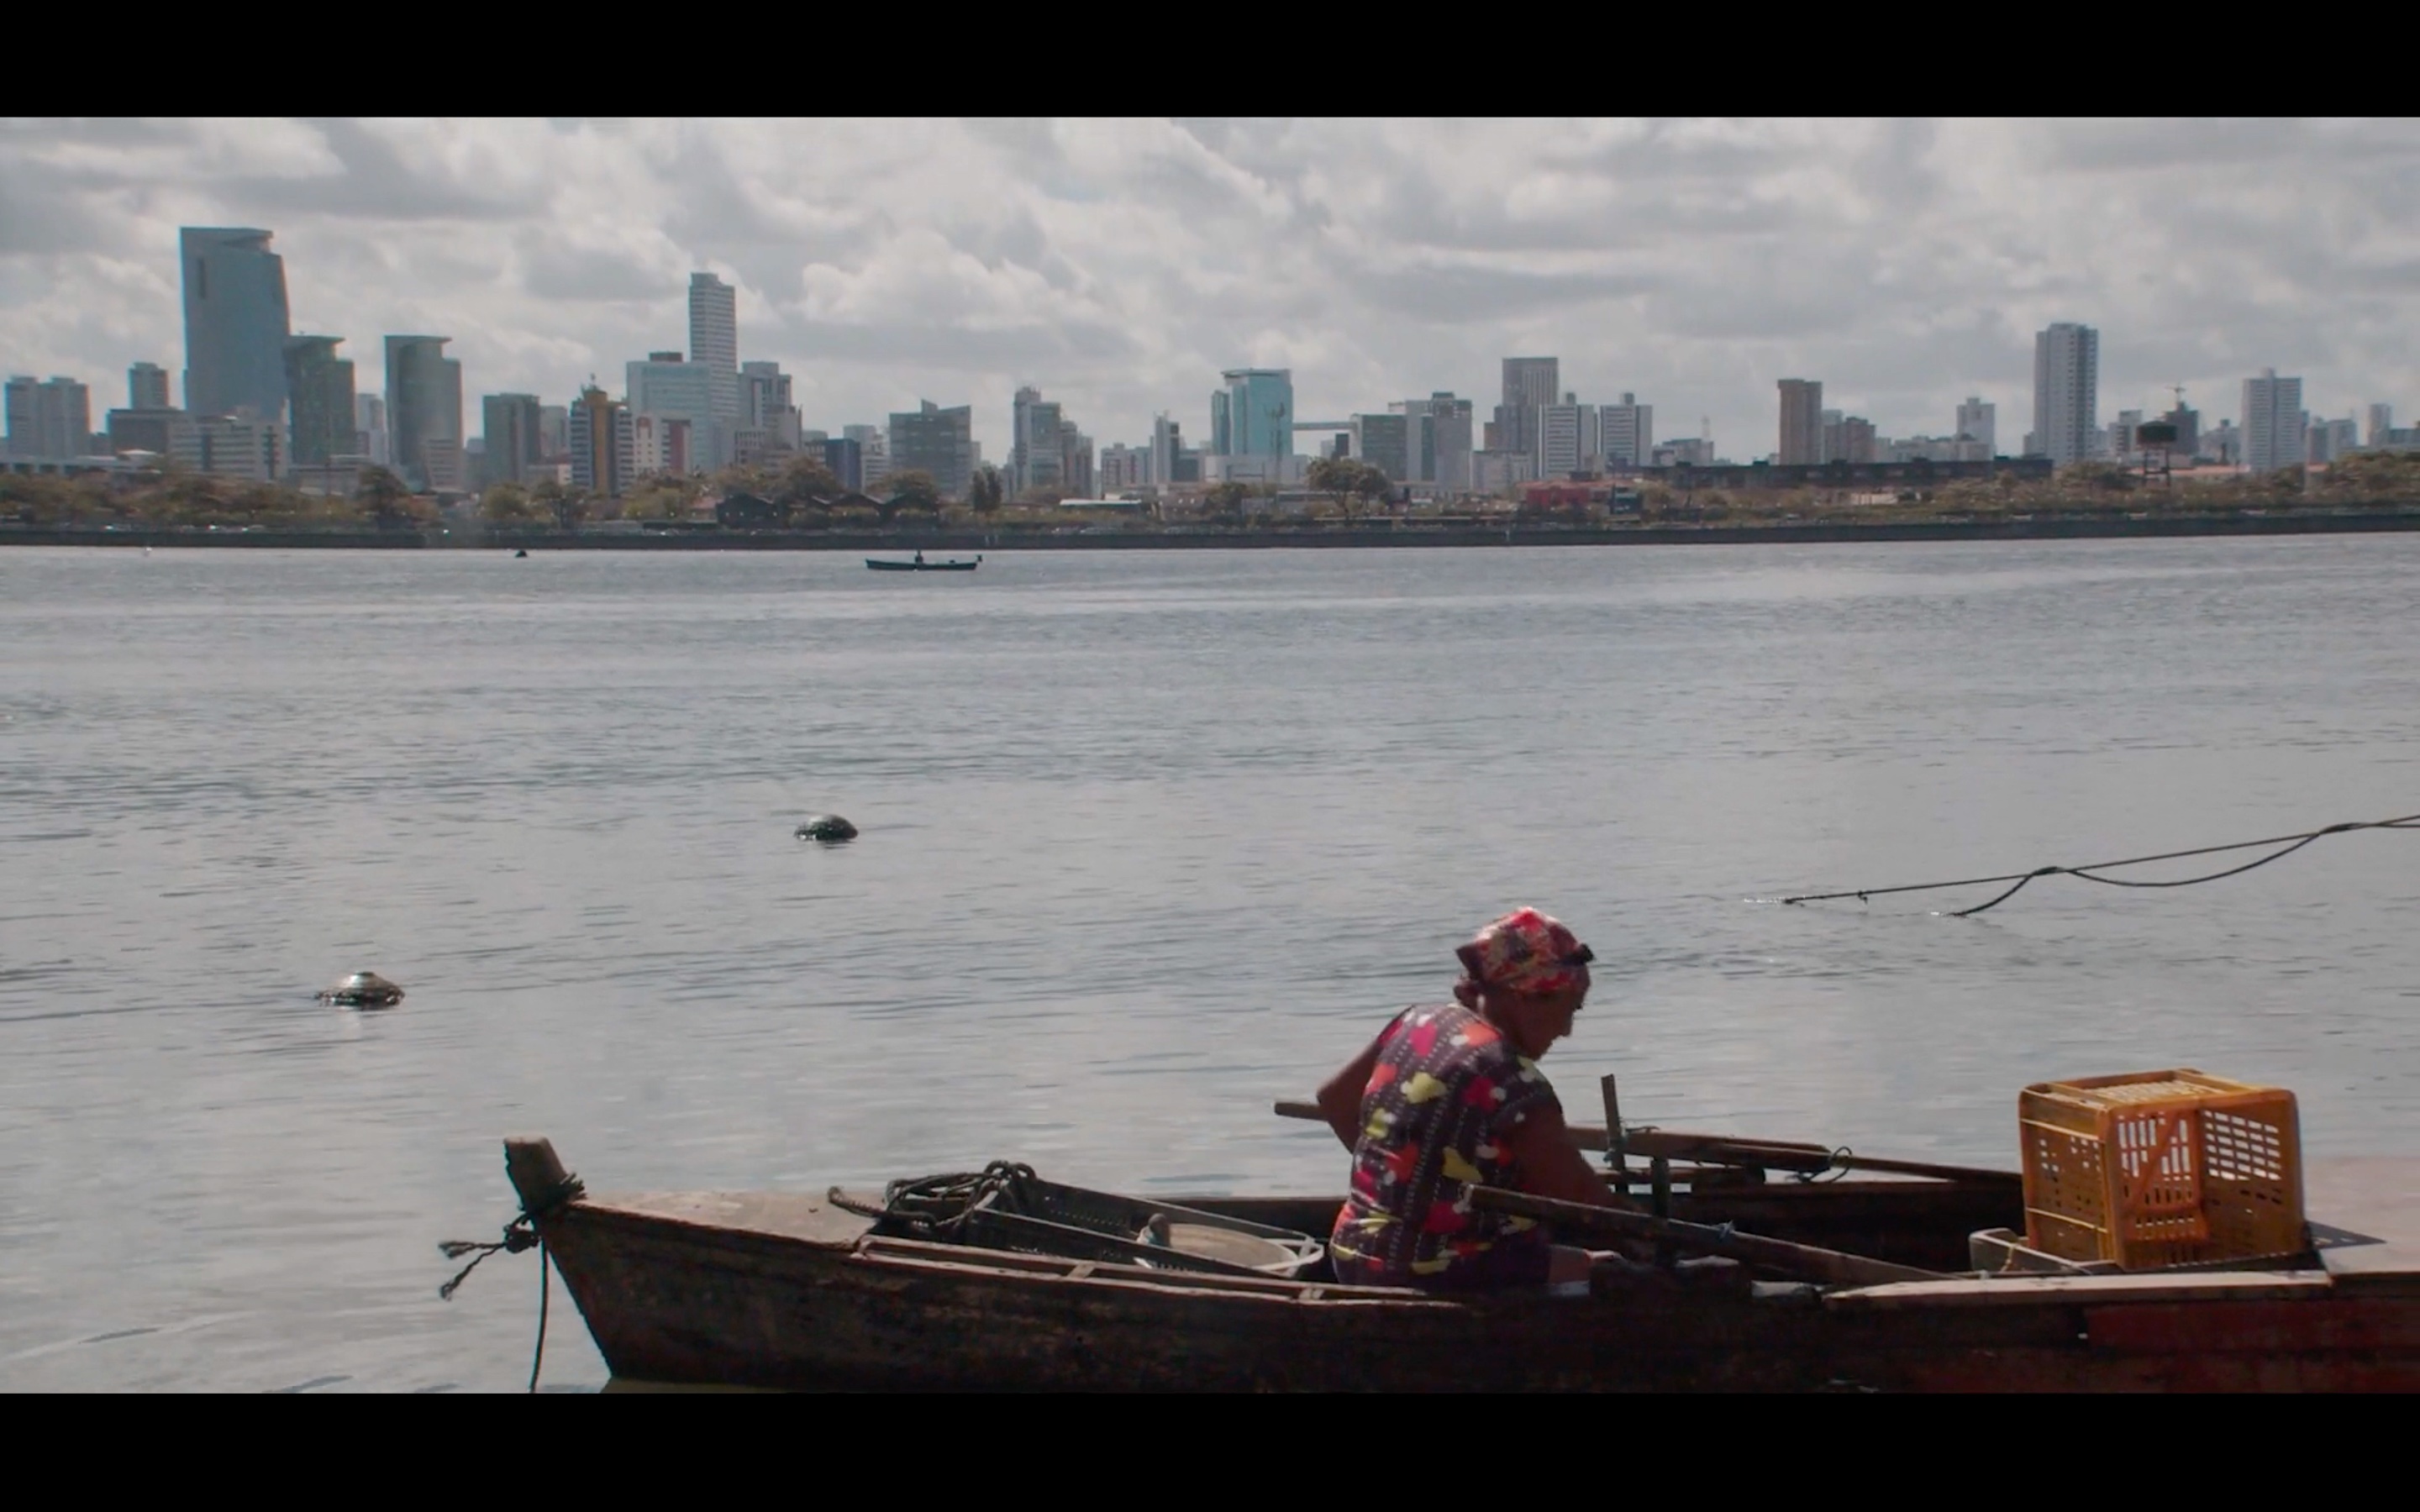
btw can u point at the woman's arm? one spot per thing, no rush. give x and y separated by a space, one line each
1550 1165
1339 1096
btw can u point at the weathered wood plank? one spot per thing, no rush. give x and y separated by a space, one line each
2084 1291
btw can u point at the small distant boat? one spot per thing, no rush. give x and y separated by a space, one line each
919 565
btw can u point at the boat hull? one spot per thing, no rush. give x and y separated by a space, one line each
786 1292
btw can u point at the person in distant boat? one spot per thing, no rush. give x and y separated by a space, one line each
1450 1097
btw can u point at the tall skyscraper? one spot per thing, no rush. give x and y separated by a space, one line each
554 432
1801 422
1628 432
2381 421
320 401
714 345
369 426
1977 421
1036 454
1528 382
1166 444
509 424
51 420
937 442
424 406
1258 403
603 442
235 322
2272 421
2066 406
147 387
1437 442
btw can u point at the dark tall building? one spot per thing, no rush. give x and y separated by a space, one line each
147 387
319 390
424 411
1801 422
846 458
235 322
1528 382
509 422
938 441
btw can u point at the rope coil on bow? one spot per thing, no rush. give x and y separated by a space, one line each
518 1235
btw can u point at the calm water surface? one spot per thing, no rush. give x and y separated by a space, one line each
1150 839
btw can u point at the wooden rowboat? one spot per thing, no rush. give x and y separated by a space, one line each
779 1290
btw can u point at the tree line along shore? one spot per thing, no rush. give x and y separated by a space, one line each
804 502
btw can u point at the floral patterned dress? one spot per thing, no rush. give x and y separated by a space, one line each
1447 1088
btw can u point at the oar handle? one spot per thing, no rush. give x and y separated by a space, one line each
1725 1150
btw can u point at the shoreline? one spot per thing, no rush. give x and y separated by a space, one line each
954 539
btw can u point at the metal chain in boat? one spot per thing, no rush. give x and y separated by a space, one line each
931 1207
518 1235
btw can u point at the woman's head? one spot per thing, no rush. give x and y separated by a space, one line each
1529 974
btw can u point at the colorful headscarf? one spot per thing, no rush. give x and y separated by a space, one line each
1526 952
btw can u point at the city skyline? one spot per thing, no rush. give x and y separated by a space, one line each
1121 266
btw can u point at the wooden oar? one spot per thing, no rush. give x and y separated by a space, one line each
1724 1150
1803 1261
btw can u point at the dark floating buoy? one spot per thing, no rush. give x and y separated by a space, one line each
362 988
522 553
829 828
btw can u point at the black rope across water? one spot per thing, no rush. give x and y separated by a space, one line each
2289 845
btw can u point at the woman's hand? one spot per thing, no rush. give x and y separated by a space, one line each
1548 1165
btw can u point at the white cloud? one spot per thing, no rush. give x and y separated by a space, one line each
1120 264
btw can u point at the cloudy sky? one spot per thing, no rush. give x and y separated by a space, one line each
1119 265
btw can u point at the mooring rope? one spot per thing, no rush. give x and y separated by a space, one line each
2290 843
518 1235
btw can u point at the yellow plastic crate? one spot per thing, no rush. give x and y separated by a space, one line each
2161 1167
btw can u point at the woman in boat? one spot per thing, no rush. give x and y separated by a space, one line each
1447 1098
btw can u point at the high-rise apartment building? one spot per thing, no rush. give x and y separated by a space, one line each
1074 460
764 406
1124 469
1801 422
2381 423
1036 454
1628 432
874 453
509 424
1564 437
1528 382
714 345
2326 440
937 442
1384 443
369 425
2067 400
51 420
1252 414
1437 442
1978 422
554 432
423 406
147 387
671 389
319 402
1166 444
236 322
603 441
2272 421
